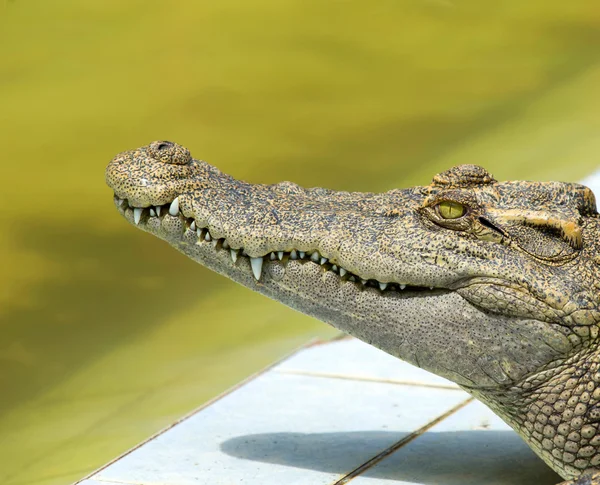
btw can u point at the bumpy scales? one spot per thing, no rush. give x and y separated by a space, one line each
493 285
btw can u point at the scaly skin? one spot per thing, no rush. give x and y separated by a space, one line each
491 285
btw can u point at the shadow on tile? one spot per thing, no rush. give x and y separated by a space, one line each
449 458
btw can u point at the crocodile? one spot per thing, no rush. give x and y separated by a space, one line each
493 285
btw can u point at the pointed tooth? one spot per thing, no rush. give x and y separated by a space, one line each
383 286
129 204
198 232
352 278
280 255
174 207
402 286
152 213
364 282
314 257
193 226
342 271
225 244
323 260
120 202
273 257
214 243
334 268
158 209
256 264
137 214
293 254
301 254
431 287
207 236
234 255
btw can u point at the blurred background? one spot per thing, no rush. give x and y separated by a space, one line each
108 334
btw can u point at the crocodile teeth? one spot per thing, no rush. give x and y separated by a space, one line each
257 263
158 208
174 207
152 212
120 202
137 214
256 267
193 226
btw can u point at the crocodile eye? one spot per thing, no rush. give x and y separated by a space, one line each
448 209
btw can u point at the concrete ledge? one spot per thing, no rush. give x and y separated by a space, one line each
335 413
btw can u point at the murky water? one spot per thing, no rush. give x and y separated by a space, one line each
109 335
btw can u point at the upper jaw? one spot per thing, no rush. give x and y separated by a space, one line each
271 221
169 222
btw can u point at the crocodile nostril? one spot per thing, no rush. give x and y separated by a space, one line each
169 152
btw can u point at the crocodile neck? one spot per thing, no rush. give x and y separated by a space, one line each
556 411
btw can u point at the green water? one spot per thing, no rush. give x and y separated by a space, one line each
108 334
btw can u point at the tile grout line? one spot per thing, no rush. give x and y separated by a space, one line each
448 387
399 444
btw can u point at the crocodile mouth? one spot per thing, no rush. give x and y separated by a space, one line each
140 216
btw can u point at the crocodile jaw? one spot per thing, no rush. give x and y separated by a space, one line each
434 328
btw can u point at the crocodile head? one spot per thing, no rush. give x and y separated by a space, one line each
478 281
493 285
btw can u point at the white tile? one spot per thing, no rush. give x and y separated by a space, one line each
593 182
282 428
